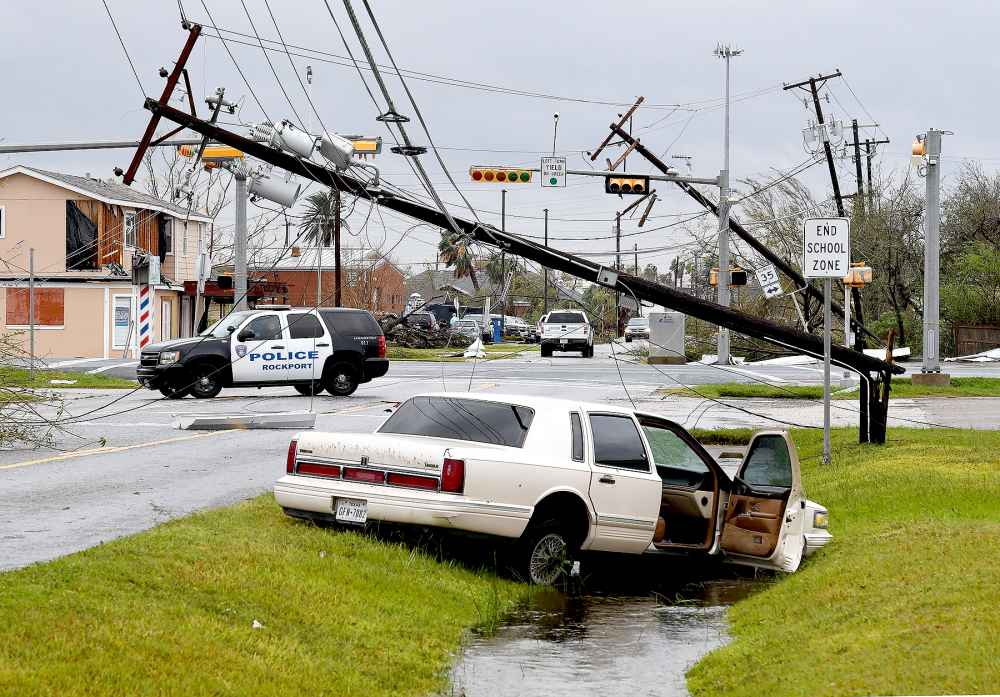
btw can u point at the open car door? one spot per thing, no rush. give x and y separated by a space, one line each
763 523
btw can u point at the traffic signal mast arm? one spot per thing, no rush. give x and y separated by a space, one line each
741 232
638 287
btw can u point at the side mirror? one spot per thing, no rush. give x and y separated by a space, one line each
246 335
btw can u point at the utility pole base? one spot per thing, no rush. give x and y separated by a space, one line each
931 379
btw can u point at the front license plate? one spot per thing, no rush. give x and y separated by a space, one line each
352 511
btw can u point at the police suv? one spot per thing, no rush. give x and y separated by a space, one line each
332 349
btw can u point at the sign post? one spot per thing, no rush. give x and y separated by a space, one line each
553 171
826 254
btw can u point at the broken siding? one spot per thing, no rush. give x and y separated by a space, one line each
110 221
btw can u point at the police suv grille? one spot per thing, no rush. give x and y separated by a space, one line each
149 359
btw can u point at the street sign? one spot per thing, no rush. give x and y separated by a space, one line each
826 247
553 171
767 277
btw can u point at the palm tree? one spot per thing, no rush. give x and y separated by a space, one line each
455 251
318 218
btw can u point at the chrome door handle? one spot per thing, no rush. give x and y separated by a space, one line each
318 345
606 479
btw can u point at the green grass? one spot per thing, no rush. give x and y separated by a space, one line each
903 601
21 377
901 388
169 612
454 354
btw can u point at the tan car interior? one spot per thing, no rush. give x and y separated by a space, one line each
690 490
756 508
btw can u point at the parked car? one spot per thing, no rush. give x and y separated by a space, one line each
637 328
567 330
559 477
535 336
467 327
421 320
333 349
487 327
516 328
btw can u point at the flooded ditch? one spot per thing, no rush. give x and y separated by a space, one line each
597 643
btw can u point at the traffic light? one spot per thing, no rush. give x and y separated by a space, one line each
737 277
213 156
500 175
626 185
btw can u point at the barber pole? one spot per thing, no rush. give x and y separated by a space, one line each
145 316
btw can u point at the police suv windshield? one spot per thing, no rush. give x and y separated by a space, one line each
227 325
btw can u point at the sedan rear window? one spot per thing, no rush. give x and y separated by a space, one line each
566 318
473 420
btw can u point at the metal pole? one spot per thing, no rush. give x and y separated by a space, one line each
503 259
31 315
240 244
932 261
319 261
618 267
827 322
847 329
337 298
635 250
723 281
545 292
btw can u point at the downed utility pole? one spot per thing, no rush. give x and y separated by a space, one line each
877 372
736 227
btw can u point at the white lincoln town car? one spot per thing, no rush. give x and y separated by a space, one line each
560 476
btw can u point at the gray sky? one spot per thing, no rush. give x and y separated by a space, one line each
911 64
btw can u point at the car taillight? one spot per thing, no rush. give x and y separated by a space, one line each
360 475
381 346
293 447
453 476
411 480
318 470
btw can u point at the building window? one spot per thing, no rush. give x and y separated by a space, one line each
3 222
129 228
168 237
184 239
49 307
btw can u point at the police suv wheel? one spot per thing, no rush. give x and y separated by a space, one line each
341 380
307 390
170 392
205 382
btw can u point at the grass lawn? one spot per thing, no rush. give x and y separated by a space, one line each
448 355
904 600
901 387
170 612
21 377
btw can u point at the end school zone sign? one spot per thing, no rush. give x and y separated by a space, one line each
826 247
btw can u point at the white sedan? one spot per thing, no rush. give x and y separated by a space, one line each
560 476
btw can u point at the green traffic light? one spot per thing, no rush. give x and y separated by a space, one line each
512 176
553 181
525 176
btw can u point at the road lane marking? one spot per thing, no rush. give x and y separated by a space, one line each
121 448
75 361
112 367
755 374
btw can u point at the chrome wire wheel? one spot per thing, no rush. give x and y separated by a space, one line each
548 558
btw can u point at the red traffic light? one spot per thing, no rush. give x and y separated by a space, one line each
500 174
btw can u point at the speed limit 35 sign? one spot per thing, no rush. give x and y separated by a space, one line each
826 248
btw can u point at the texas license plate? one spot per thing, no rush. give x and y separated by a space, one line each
564 341
352 511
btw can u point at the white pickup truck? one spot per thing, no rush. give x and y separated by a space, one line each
567 330
561 477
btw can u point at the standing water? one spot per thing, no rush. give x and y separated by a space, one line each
599 645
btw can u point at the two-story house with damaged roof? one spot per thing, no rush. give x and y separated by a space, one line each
82 234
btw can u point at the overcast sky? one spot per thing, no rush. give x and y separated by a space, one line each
910 64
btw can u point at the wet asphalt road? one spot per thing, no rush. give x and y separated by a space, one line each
119 466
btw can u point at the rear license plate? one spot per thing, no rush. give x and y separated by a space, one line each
564 341
351 511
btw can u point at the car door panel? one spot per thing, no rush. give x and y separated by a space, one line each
254 358
624 490
763 522
308 346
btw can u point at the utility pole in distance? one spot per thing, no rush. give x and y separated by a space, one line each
930 372
240 241
336 251
618 267
726 53
31 315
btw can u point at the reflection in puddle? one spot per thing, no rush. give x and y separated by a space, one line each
600 645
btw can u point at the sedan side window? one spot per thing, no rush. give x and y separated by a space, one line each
768 463
577 428
617 442
264 328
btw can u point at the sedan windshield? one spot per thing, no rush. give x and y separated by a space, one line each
227 325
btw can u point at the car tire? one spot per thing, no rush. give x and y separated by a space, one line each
588 352
546 351
341 380
628 340
309 390
205 382
545 553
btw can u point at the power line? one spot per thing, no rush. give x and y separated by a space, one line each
236 64
125 50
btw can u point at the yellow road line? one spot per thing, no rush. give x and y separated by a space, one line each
100 451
